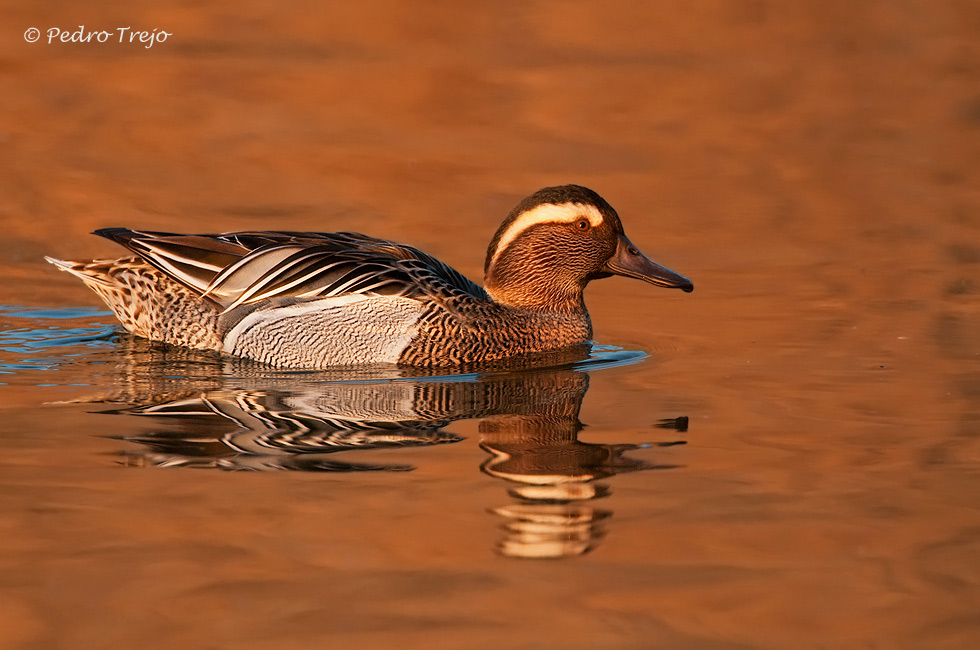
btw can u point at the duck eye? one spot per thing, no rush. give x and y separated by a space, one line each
582 224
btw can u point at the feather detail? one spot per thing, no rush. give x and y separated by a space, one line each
242 268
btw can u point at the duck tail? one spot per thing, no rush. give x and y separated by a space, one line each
111 280
93 273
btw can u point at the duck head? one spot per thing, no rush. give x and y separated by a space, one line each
557 240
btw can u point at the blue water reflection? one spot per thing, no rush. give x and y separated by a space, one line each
29 331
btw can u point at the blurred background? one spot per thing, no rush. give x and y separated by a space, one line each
811 165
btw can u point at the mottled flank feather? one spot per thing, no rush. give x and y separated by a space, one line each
148 303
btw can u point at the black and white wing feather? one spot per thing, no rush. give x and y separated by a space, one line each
243 268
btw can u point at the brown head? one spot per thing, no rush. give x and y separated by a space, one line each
558 239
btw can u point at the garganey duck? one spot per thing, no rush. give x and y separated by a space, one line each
315 300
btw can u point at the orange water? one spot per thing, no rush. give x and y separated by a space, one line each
811 166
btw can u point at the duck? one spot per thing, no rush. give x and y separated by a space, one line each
316 300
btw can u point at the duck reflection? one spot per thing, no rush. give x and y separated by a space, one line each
273 429
246 418
553 477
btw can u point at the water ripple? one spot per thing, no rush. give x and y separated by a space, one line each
28 331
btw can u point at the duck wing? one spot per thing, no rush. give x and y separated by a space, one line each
242 268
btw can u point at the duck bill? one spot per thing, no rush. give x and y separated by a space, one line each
628 261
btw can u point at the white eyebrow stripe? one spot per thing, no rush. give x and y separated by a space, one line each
546 213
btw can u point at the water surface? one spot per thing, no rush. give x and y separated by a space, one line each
789 457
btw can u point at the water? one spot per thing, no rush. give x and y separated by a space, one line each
187 409
523 476
789 457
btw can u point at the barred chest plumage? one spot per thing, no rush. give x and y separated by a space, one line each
498 332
